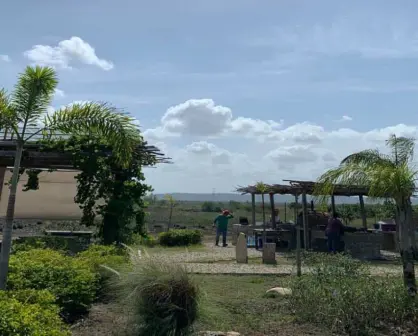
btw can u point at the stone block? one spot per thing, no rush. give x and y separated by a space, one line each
241 250
269 253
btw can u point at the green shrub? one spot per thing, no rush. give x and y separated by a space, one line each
180 237
97 256
342 296
163 298
30 243
69 279
144 240
30 313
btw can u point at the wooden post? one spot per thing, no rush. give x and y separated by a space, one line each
253 208
305 220
2 174
273 213
333 204
298 260
285 212
363 212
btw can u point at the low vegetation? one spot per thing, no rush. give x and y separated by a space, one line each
342 296
30 313
180 238
162 298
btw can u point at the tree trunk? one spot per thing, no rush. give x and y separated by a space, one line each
170 216
8 227
264 222
404 223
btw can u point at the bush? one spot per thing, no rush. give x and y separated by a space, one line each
180 237
30 313
342 296
98 255
69 279
144 240
30 243
163 298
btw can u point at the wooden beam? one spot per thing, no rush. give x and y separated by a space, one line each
363 212
273 212
305 220
298 256
253 208
2 174
333 204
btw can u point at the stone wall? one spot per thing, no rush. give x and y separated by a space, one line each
363 245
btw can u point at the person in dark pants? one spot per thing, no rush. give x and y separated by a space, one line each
334 231
221 223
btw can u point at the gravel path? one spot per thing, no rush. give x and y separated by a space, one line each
205 262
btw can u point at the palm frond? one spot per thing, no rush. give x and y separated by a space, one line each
368 158
351 174
33 93
402 148
7 115
261 187
99 119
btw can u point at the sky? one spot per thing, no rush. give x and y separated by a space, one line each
235 91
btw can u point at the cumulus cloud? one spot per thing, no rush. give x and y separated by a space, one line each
207 151
300 151
66 53
5 58
204 118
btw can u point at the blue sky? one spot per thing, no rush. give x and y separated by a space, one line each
258 90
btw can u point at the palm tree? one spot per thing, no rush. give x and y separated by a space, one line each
262 188
26 108
391 176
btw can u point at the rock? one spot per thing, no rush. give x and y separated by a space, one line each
269 253
232 333
280 290
241 250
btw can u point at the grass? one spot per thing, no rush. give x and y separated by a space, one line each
229 303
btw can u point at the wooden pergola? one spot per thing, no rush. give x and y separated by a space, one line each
304 188
35 157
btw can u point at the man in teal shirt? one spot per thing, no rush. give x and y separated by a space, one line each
221 223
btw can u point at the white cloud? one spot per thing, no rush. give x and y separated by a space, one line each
203 118
205 150
5 58
59 93
66 53
344 118
219 151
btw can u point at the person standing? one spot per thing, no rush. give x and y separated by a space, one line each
221 222
334 231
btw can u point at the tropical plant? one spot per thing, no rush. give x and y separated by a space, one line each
26 108
390 176
262 189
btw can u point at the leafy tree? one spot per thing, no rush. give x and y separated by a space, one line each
26 107
346 212
208 206
389 176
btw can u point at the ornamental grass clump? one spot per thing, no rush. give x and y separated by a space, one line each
161 298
